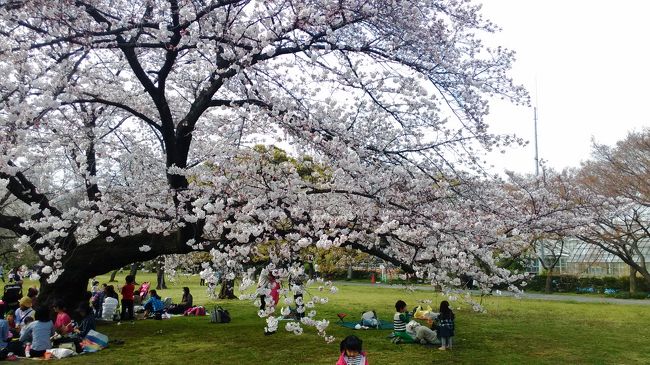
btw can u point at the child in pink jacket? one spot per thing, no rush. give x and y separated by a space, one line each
351 353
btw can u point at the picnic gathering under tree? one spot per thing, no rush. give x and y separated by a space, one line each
140 130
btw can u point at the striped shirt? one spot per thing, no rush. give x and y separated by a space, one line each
399 321
355 360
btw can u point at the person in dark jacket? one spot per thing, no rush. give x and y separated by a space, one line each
445 325
186 302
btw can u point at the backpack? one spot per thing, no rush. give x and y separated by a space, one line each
219 315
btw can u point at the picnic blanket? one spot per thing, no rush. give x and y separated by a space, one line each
383 325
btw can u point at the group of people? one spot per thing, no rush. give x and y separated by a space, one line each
405 331
409 331
106 302
29 329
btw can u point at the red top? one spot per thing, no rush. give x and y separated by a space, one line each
275 292
127 291
63 323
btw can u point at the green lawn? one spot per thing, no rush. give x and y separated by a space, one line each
511 332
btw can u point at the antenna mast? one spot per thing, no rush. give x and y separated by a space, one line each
536 151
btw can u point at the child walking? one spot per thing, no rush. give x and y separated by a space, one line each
351 353
445 325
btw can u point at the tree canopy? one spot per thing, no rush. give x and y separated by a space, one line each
128 132
617 197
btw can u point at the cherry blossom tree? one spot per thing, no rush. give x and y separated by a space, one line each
617 181
144 115
558 204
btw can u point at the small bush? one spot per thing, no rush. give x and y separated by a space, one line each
627 295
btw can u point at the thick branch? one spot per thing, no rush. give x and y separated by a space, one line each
98 256
14 224
22 188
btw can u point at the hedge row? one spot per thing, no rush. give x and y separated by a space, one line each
569 283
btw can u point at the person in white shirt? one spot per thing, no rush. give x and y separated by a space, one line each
25 310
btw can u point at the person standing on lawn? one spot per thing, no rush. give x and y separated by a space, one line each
127 298
445 325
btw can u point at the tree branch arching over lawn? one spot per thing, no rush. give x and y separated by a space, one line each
115 105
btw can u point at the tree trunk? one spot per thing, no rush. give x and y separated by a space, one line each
549 281
350 272
99 257
160 276
160 279
227 289
632 280
113 274
134 270
71 288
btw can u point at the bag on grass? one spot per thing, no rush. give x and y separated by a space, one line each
422 313
219 315
94 341
60 353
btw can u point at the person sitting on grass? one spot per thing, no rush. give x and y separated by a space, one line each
186 302
153 305
110 304
400 319
4 333
39 333
25 310
351 352
63 323
10 317
28 320
87 321
420 333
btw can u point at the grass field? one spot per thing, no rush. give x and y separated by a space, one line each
511 332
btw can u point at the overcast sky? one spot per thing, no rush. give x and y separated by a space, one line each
586 65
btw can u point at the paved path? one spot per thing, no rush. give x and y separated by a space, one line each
532 296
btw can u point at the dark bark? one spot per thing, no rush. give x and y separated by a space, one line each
160 279
227 289
134 270
70 288
160 275
99 257
549 281
632 280
113 274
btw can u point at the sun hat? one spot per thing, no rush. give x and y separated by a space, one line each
25 302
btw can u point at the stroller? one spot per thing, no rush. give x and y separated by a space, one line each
11 296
